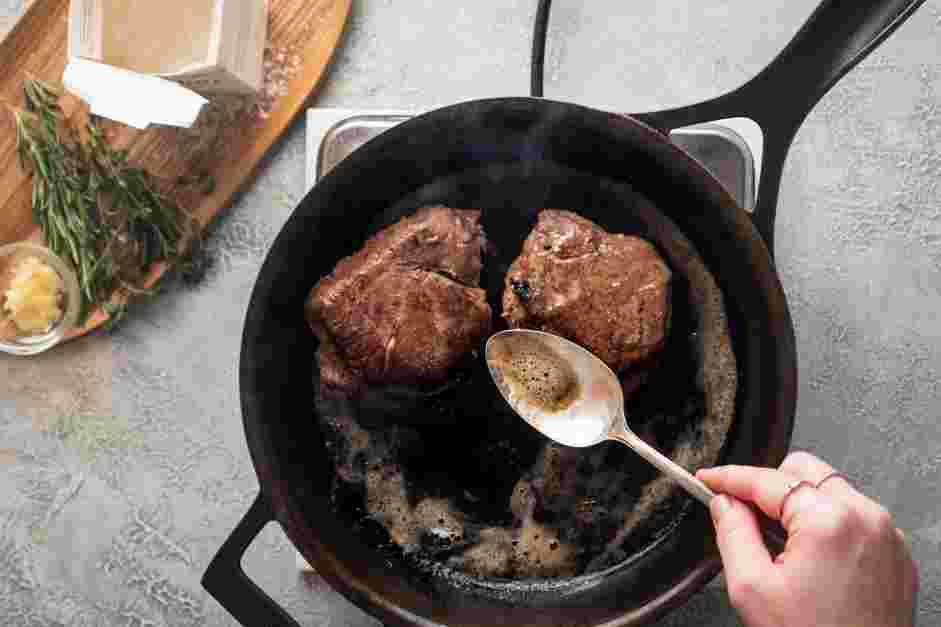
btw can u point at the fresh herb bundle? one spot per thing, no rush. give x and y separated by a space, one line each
106 217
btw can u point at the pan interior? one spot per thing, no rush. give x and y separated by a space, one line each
471 450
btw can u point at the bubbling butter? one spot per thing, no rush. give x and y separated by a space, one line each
532 372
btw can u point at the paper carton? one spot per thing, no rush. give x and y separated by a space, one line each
142 62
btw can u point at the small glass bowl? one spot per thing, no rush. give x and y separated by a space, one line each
35 344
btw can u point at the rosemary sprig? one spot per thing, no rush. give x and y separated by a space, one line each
96 210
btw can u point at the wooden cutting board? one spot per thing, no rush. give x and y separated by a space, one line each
225 145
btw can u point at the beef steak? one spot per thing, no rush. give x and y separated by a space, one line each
608 292
406 308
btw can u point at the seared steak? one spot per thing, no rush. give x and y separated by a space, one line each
608 292
406 308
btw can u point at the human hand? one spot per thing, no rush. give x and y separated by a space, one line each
845 563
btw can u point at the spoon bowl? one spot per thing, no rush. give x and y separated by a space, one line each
571 396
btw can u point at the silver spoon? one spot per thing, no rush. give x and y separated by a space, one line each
572 397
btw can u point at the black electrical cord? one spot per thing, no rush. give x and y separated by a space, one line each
540 30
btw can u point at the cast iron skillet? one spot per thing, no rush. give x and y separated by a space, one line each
509 157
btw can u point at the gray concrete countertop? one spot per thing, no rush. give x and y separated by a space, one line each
123 463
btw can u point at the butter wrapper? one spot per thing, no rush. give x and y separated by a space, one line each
144 62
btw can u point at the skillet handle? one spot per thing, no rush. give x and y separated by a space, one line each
837 36
225 580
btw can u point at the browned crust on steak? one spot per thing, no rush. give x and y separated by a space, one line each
608 292
406 308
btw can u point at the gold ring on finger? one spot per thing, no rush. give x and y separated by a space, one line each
792 487
835 475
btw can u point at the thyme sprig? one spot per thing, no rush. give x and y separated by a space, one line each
96 210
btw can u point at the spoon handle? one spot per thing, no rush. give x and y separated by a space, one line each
667 466
774 535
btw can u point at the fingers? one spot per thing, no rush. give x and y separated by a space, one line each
805 466
805 507
744 556
813 521
765 487
807 513
810 468
799 507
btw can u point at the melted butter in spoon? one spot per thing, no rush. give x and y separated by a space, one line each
529 371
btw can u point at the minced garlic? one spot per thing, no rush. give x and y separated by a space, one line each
33 300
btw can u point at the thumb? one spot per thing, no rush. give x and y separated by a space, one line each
744 555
